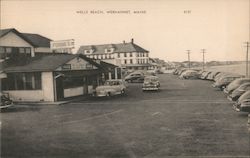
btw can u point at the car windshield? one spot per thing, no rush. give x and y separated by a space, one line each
150 79
111 83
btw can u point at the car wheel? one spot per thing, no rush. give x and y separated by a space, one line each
122 91
108 94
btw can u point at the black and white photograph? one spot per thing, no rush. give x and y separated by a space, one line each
124 79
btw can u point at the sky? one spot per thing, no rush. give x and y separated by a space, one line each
166 28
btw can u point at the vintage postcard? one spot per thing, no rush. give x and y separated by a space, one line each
125 79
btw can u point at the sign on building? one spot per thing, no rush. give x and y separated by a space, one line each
63 46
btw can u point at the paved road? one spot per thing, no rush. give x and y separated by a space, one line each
187 118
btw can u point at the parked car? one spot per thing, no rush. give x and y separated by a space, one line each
224 81
243 103
151 83
110 88
5 100
239 91
204 75
135 77
189 74
235 84
211 75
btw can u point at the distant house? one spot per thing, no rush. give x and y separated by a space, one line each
126 55
16 44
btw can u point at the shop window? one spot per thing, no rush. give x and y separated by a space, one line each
73 82
23 81
21 50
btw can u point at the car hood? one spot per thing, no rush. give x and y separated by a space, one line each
104 87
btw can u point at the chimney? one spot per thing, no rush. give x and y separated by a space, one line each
132 40
123 41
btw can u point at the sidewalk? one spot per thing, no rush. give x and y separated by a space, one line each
66 101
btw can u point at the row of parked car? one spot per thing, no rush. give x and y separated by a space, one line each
118 86
237 87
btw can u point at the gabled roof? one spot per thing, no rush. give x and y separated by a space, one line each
38 40
47 63
35 40
118 48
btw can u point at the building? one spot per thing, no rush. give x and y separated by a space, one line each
30 71
53 77
126 55
14 43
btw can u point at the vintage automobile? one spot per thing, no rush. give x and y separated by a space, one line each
189 74
243 103
135 77
151 83
5 100
212 75
239 91
235 84
110 88
225 80
204 75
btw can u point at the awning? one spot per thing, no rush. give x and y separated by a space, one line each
78 73
2 75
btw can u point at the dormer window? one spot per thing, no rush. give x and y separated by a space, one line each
109 50
87 51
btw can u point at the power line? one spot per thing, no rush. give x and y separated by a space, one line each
247 46
189 65
203 58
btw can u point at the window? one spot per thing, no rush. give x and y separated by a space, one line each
125 54
131 61
118 55
21 50
27 50
22 81
87 51
125 61
8 50
130 54
71 82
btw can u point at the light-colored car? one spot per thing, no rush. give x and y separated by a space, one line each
151 83
243 103
234 96
235 84
110 88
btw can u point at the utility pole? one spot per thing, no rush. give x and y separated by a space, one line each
203 58
189 65
247 71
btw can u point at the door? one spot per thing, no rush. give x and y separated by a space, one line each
59 89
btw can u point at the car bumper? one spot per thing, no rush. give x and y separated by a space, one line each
150 88
225 91
236 107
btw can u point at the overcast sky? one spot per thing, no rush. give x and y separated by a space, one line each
167 29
